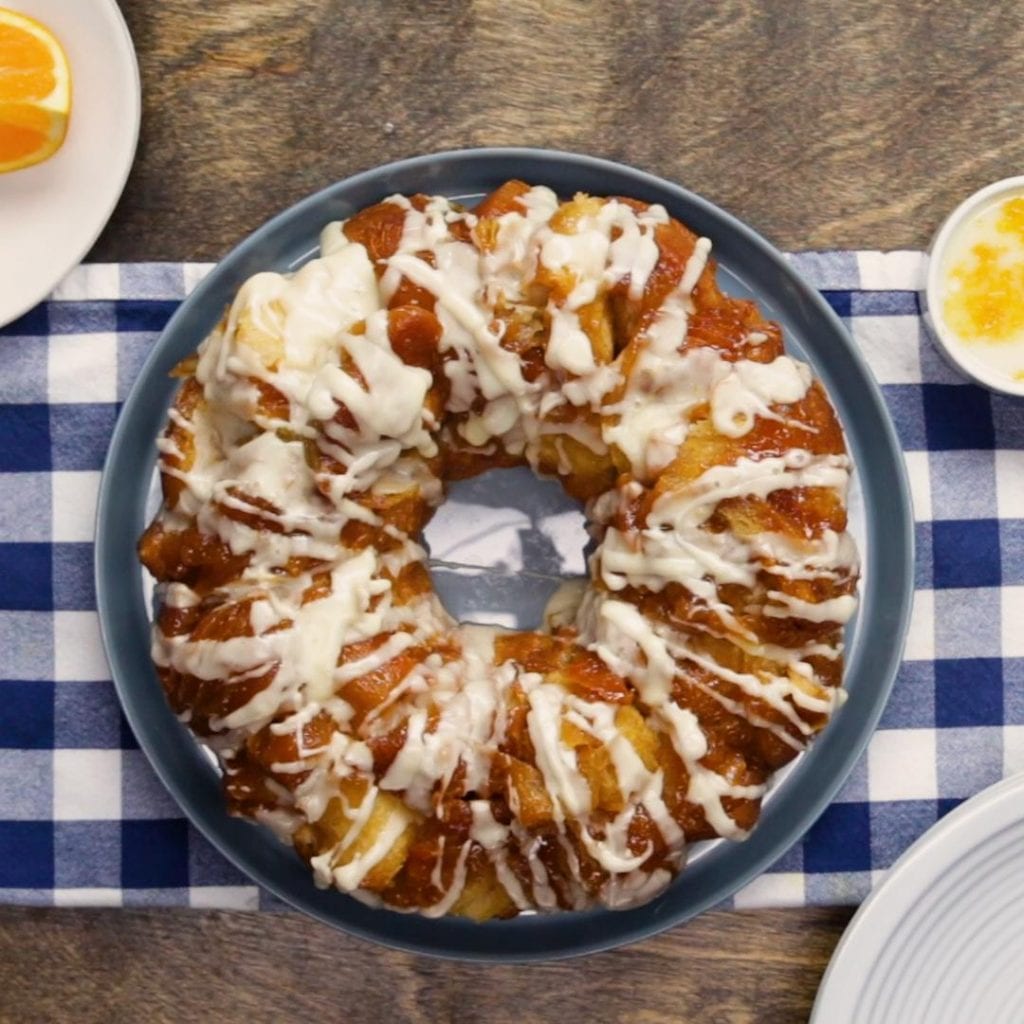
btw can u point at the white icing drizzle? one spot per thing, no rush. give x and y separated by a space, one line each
493 838
568 346
276 472
557 763
750 390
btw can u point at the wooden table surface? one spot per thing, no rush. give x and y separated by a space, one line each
824 124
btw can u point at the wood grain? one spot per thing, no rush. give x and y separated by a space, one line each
155 966
841 123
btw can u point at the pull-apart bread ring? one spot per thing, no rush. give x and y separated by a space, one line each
454 769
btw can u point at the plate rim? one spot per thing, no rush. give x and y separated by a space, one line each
866 936
34 297
454 161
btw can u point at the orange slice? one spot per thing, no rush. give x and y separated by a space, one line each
35 92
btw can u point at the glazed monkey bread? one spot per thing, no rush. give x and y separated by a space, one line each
454 769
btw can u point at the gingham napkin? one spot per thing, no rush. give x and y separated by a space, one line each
83 820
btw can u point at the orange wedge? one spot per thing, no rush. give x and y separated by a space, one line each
35 92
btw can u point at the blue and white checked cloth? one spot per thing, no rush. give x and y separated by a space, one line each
83 819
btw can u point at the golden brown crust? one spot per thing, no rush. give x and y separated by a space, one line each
747 737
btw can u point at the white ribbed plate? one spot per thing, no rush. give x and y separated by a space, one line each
941 940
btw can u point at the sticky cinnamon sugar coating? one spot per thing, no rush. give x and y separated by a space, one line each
452 769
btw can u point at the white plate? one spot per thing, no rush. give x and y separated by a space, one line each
53 212
941 940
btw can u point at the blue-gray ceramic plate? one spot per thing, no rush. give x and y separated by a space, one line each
881 519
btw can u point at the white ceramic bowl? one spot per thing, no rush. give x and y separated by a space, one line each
951 347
